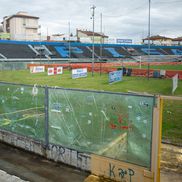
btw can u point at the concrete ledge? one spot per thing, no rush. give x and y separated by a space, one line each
5 177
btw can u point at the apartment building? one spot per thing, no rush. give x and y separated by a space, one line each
87 36
21 26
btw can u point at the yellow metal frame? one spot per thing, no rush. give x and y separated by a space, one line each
160 138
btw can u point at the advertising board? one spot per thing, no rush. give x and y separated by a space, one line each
55 71
50 71
37 69
79 73
115 76
124 41
59 70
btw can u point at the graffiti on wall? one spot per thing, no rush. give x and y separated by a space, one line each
54 152
124 174
69 156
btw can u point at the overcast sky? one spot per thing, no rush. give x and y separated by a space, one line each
121 18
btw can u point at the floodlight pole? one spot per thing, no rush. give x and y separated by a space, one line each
93 51
40 52
149 40
101 42
69 44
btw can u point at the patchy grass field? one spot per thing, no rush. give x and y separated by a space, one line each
164 67
172 114
97 82
172 121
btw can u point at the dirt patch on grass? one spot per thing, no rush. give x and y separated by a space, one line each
171 158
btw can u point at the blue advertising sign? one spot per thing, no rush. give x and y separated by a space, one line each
78 73
115 76
124 41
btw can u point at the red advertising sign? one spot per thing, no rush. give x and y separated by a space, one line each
55 71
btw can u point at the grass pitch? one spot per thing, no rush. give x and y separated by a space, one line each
97 82
159 67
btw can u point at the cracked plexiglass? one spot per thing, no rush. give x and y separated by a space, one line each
22 110
112 125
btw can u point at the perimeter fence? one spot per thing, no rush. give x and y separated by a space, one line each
12 65
114 125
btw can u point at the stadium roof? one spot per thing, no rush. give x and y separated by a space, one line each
157 37
90 33
178 39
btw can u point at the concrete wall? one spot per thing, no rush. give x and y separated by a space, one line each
57 153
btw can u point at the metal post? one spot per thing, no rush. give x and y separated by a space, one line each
69 44
149 40
101 42
46 105
47 33
47 41
93 51
40 50
69 39
140 62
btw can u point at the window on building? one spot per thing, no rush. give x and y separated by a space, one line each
24 22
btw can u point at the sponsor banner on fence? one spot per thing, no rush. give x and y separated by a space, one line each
55 71
175 83
37 69
115 76
78 73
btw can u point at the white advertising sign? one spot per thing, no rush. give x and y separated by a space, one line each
124 41
55 71
50 71
78 73
59 70
37 69
175 83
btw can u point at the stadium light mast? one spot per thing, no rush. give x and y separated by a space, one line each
149 40
69 32
40 48
101 42
69 44
93 25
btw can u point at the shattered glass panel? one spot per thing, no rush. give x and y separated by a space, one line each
22 110
112 125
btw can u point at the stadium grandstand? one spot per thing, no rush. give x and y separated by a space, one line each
55 51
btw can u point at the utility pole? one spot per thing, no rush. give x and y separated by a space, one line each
93 23
149 40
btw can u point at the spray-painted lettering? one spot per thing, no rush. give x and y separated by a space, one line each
122 173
